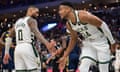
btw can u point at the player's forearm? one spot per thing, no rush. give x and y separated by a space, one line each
45 42
42 39
70 45
107 32
8 42
64 43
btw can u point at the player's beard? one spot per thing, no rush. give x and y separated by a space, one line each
64 19
35 17
67 15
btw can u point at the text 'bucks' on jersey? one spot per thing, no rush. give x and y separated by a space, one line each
22 30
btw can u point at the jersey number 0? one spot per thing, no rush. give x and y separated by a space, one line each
20 35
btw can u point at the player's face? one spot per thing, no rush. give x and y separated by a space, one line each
35 12
63 11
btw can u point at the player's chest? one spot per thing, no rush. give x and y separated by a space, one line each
80 27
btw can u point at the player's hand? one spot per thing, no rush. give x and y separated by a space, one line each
62 62
59 51
113 48
53 55
49 59
6 58
51 45
44 65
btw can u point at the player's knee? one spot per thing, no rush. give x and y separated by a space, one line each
116 65
85 64
104 67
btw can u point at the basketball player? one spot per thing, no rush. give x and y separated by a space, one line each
25 55
95 43
10 65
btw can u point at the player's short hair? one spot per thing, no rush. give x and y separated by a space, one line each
69 4
32 7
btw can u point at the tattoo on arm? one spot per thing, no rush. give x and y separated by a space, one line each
33 25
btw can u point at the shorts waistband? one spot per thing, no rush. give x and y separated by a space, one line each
24 43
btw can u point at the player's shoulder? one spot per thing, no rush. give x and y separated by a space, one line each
18 20
32 22
83 12
30 19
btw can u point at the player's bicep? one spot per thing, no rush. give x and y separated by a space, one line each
33 26
87 17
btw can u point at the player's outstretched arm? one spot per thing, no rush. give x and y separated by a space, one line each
73 39
34 28
89 18
8 43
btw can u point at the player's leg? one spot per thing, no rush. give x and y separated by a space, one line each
30 59
88 53
73 62
85 65
19 62
103 53
11 60
117 66
117 61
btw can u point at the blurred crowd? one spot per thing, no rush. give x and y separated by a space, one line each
18 3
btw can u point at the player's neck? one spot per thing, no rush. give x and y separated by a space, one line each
28 14
71 16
